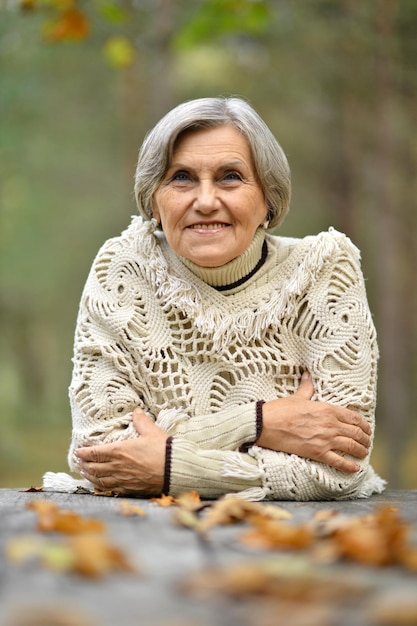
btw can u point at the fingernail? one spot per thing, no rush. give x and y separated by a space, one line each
306 376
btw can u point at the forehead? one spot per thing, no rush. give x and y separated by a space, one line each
218 140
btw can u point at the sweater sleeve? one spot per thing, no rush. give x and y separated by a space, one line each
261 474
344 375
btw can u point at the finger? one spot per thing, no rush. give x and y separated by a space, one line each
306 388
143 423
355 419
105 483
355 433
351 447
340 463
96 454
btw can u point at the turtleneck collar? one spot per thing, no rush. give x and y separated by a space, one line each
237 270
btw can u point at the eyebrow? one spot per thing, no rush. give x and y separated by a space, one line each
222 167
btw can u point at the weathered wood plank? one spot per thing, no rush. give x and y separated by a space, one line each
164 554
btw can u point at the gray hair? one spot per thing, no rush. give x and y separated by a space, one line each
269 159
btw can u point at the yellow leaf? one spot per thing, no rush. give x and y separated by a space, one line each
119 52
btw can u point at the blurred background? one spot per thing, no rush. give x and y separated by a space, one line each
80 85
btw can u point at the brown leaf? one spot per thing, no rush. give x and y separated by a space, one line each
164 500
186 518
126 508
86 554
232 509
70 25
379 539
94 556
49 616
31 490
189 500
52 519
275 534
105 494
287 579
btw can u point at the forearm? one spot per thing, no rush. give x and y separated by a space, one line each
229 429
261 474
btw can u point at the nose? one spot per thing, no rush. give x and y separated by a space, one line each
206 199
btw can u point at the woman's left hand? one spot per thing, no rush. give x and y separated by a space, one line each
134 466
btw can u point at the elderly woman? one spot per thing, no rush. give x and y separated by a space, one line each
210 354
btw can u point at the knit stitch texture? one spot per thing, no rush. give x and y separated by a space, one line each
152 333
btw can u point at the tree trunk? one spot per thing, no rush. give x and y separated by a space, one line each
393 319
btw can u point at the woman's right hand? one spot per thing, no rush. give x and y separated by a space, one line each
315 430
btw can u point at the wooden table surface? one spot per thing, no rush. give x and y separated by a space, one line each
167 554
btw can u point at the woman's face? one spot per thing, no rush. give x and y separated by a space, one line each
210 202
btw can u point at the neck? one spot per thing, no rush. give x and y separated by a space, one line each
236 271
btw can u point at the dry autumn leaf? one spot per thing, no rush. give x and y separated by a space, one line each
232 509
126 508
164 500
276 534
289 579
43 615
89 555
379 539
189 500
70 25
52 519
94 556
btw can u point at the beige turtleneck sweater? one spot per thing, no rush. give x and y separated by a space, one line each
199 348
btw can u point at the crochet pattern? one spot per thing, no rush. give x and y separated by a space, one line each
151 333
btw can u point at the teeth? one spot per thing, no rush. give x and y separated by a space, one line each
208 226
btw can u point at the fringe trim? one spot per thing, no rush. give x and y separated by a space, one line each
234 466
372 484
253 493
246 324
59 481
168 419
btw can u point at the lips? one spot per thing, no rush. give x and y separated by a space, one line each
213 226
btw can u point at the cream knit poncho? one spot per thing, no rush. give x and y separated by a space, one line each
198 349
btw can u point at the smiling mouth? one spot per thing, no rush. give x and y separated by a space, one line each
208 226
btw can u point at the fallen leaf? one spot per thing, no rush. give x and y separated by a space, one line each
89 555
291 579
189 500
126 508
164 500
39 615
52 519
276 534
31 490
232 509
105 494
379 539
94 556
186 518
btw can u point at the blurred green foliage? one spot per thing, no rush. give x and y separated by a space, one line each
73 114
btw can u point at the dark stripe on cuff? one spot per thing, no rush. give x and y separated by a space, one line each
167 471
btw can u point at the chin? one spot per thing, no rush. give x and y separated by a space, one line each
209 262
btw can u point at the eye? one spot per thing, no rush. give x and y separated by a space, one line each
231 177
181 176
